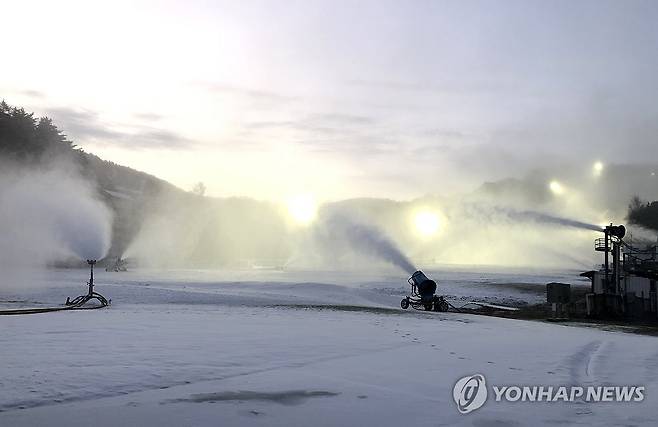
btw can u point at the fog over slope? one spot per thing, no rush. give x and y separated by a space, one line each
516 222
544 219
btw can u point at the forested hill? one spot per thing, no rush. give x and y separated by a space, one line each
178 228
27 141
181 229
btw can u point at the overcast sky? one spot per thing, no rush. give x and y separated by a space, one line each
340 99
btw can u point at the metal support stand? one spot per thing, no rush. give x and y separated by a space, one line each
83 299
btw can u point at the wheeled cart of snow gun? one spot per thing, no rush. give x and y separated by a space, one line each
91 294
423 294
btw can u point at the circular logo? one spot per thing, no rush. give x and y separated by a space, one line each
470 393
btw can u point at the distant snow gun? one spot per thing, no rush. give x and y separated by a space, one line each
423 295
120 264
91 294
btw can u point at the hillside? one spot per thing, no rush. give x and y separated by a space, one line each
27 142
164 226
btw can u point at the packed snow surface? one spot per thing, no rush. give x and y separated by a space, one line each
276 348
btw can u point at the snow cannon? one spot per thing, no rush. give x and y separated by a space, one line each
423 294
91 294
120 264
618 231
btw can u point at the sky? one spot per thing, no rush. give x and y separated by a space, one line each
338 99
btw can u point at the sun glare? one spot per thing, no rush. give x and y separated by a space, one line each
556 187
598 168
303 209
427 223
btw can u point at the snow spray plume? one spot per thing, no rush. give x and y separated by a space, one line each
530 216
48 216
550 219
369 240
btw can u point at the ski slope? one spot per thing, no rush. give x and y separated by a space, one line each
279 349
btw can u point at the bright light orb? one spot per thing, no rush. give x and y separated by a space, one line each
556 188
302 209
598 168
427 223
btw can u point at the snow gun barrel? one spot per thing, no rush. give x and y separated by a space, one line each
418 278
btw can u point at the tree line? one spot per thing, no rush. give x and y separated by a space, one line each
643 213
28 139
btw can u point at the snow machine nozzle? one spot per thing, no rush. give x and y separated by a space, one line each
618 231
423 296
418 278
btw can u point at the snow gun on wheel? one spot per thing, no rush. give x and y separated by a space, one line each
423 294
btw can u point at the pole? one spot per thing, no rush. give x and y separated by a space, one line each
91 275
607 263
615 267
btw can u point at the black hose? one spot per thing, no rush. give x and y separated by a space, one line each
45 310
78 305
455 308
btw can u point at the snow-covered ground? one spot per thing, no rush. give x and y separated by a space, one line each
267 348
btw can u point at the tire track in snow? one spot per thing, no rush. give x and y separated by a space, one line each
651 368
580 363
